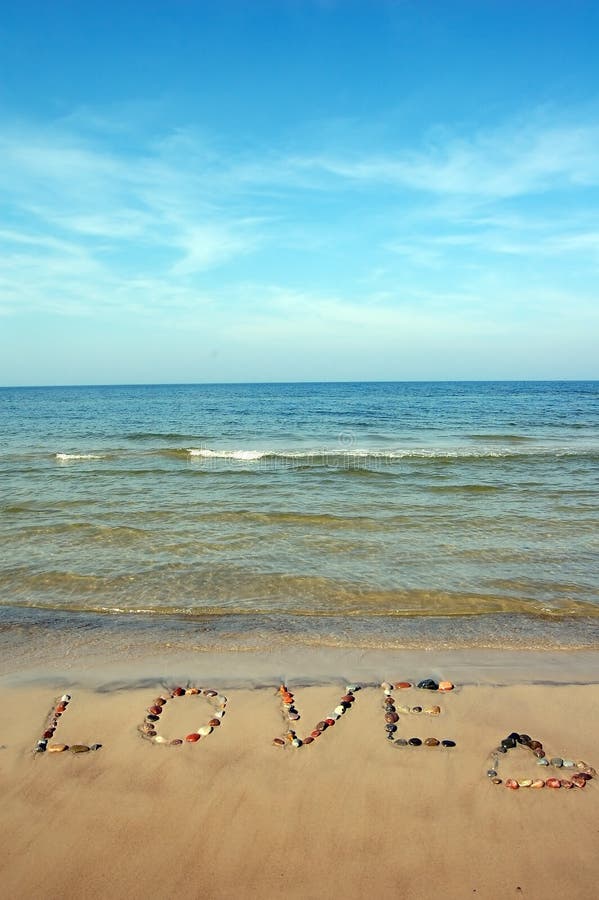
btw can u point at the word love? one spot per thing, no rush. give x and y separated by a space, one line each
150 725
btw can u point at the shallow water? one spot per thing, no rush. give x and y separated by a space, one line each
375 515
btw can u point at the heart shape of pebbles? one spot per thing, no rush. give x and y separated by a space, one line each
583 772
149 727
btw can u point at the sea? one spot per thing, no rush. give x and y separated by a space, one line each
253 516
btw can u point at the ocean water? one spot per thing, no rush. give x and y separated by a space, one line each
359 514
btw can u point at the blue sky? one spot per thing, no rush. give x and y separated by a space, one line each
281 191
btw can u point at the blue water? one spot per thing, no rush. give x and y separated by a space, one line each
383 514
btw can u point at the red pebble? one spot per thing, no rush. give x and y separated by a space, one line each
214 723
308 740
349 698
553 783
403 684
155 710
61 707
192 738
566 784
178 692
330 722
512 784
314 734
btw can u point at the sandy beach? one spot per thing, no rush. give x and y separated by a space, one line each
352 815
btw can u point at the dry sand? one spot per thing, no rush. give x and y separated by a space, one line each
348 817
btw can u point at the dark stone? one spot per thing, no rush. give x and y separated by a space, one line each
524 739
448 743
491 773
390 728
95 747
501 749
416 709
514 735
431 742
152 718
391 717
428 684
540 753
535 745
400 742
415 742
509 743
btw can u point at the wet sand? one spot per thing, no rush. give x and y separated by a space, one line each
349 816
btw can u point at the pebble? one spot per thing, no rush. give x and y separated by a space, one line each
152 717
553 783
446 686
415 742
330 721
578 780
48 734
403 709
60 748
160 739
339 710
192 691
294 717
524 739
296 742
538 783
542 762
496 780
192 738
391 717
556 761
322 726
402 685
390 728
427 684
526 782
352 688
309 740
568 764
491 773
79 748
220 698
178 692
416 709
279 742
348 698
221 714
155 710
509 743
511 784
566 784
96 747
211 693
448 743
214 723
315 733
590 771
205 730
385 686
400 742
431 742
151 733
176 742
65 698
433 710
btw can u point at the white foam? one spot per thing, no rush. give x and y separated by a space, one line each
231 454
66 457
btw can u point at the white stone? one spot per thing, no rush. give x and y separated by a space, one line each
339 710
204 730
159 739
386 686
